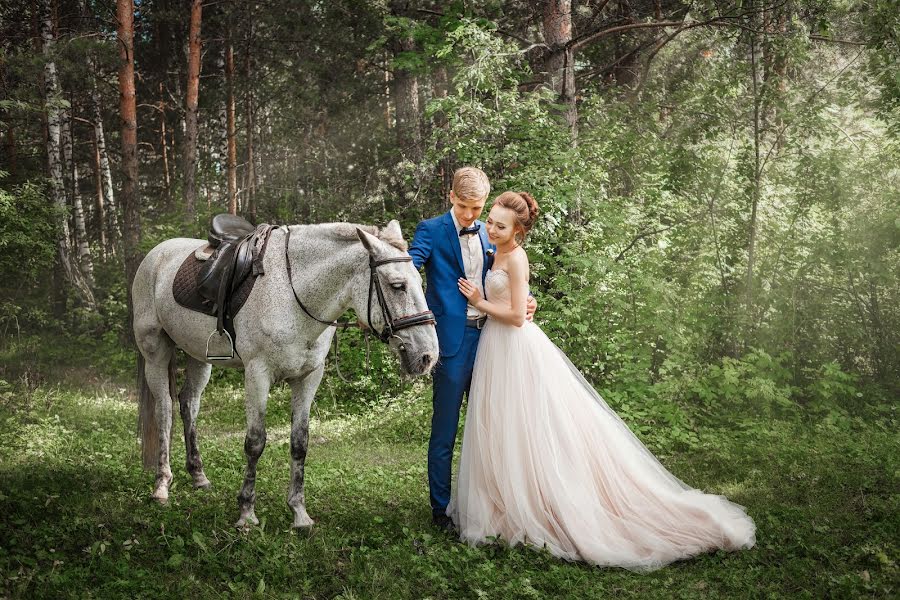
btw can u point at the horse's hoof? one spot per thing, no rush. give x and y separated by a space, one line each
202 483
303 525
161 489
303 530
247 521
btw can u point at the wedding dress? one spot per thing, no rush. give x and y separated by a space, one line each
546 462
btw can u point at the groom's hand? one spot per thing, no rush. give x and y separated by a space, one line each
530 307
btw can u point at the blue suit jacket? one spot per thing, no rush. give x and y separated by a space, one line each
436 246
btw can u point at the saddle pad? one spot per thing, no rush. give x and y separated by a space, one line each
184 288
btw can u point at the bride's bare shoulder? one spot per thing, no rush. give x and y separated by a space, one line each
519 256
518 262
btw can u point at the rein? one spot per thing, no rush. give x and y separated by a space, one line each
287 261
391 325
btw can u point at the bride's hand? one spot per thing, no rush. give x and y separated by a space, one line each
530 307
469 291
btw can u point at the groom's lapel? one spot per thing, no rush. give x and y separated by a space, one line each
453 237
485 244
488 260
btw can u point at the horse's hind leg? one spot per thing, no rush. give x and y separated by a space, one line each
158 350
257 381
302 392
196 378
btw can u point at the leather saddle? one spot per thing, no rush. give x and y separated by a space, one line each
228 228
237 255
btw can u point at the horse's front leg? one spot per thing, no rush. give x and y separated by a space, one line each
196 377
303 390
257 381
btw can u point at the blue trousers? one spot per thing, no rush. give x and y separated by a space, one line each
452 377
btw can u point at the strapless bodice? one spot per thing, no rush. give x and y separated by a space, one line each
496 286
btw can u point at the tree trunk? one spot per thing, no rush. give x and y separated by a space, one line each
882 356
192 97
65 137
84 250
774 67
101 208
560 61
757 176
222 123
164 146
388 120
231 166
130 200
445 167
627 48
71 164
111 224
251 121
70 270
11 151
251 162
405 90
9 135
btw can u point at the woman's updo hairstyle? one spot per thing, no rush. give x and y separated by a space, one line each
523 205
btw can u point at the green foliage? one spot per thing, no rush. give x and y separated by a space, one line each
831 386
27 232
756 383
361 369
881 25
639 258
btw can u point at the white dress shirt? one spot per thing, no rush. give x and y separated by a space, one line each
473 261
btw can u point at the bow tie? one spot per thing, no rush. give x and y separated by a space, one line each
469 230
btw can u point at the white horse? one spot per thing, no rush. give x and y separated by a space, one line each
334 267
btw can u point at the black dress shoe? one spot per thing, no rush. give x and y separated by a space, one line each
443 522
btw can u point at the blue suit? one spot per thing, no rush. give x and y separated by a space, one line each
436 247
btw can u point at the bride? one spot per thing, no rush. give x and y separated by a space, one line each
546 462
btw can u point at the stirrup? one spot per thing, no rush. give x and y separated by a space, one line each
230 345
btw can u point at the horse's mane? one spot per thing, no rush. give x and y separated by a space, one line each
347 232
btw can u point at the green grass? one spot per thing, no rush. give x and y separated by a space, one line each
76 519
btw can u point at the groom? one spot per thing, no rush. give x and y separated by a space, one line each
451 246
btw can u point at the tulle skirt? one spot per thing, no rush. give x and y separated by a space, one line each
546 462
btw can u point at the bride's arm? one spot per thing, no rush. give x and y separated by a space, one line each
518 287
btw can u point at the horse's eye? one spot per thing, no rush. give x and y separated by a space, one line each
399 286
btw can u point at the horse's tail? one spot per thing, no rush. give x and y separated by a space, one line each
148 431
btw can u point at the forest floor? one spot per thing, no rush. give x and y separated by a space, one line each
77 519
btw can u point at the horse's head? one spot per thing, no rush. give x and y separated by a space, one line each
392 302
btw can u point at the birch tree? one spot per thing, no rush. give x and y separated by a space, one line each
231 162
53 104
71 165
190 119
111 222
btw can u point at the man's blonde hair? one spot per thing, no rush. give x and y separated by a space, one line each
470 183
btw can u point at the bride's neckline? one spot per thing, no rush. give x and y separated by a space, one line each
504 271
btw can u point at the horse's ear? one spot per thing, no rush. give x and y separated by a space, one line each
368 240
392 231
392 235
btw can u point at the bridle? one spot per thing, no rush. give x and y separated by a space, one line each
391 325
